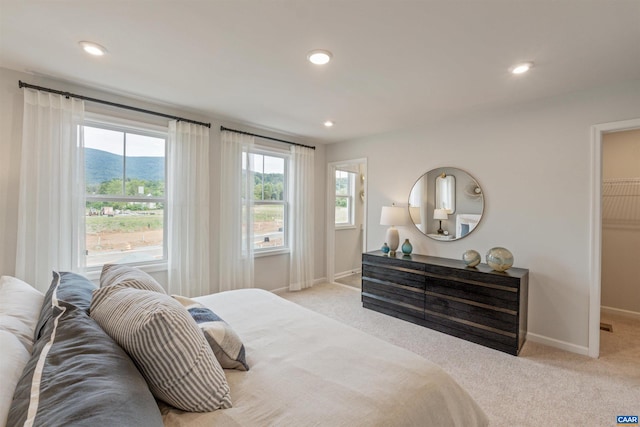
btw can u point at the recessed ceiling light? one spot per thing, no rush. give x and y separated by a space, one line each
521 68
328 123
319 56
93 48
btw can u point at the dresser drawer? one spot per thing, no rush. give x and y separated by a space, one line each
392 274
489 294
401 293
393 306
501 319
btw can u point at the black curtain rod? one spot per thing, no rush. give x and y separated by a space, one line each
265 137
21 84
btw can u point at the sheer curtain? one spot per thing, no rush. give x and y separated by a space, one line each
51 194
301 218
236 223
188 209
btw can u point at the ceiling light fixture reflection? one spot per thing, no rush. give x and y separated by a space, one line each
328 123
319 56
521 68
93 48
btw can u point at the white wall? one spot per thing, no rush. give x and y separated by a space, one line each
533 162
621 243
271 272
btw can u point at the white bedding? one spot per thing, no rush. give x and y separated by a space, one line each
307 369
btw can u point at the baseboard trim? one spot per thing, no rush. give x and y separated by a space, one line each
353 288
620 312
286 288
346 273
320 280
562 345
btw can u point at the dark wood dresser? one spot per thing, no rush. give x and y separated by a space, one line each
473 303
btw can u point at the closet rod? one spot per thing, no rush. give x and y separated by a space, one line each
222 128
22 84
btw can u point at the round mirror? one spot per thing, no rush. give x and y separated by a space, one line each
446 204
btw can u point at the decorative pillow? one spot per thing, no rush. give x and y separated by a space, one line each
19 308
72 288
166 344
128 276
79 375
14 357
224 341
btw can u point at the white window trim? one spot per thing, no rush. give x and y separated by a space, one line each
140 128
286 155
351 208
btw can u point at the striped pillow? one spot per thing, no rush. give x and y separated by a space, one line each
166 344
224 341
130 277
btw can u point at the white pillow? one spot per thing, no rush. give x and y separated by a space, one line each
20 306
14 358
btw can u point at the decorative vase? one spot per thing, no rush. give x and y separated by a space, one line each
385 248
407 247
471 258
500 259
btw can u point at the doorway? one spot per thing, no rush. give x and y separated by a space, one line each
346 220
604 219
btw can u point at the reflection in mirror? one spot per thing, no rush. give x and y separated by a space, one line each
446 204
446 193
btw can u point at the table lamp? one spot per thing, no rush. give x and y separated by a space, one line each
393 215
440 214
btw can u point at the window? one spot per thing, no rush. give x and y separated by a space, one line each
345 190
125 194
269 198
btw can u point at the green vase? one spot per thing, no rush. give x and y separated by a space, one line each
407 247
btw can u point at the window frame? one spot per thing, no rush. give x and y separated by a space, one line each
350 197
286 156
139 128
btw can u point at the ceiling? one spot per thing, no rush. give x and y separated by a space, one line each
396 63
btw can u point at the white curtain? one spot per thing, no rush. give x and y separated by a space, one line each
236 220
51 196
301 218
188 209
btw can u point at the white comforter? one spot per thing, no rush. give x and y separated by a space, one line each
309 370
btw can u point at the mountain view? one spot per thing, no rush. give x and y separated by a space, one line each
102 166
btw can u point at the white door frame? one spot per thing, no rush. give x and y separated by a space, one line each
595 290
331 212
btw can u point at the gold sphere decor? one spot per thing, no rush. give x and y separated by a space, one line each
471 258
500 259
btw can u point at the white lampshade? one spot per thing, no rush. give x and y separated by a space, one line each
440 214
393 215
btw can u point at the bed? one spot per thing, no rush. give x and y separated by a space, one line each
304 369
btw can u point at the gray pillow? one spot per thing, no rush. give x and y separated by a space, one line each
77 375
128 276
224 341
166 344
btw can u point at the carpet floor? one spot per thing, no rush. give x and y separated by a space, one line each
544 386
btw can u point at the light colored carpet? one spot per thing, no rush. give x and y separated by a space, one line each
543 386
